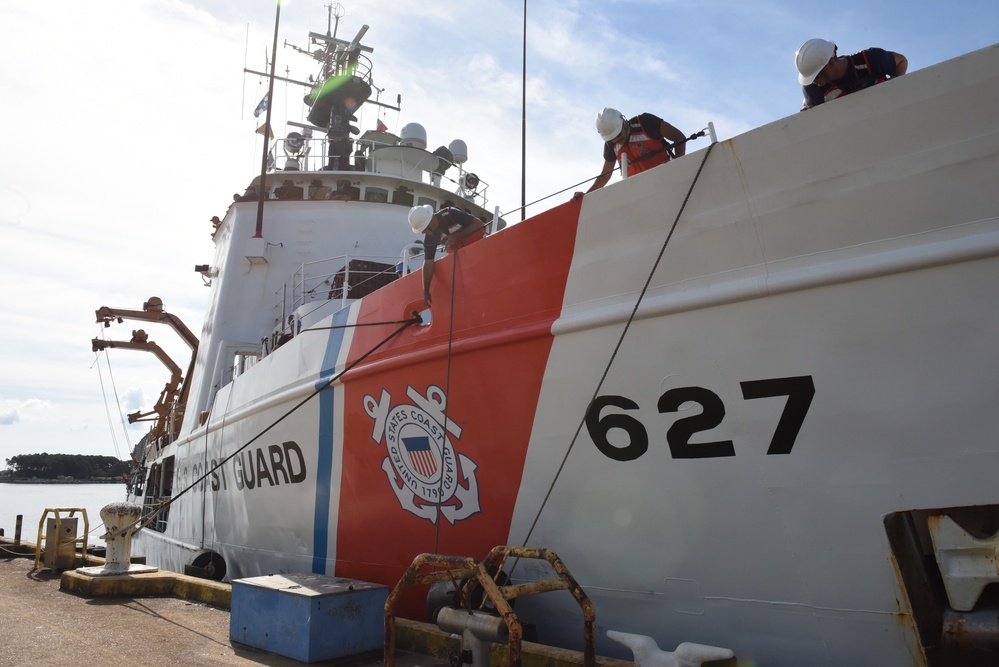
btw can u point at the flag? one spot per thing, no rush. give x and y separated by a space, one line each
262 107
382 127
420 456
265 128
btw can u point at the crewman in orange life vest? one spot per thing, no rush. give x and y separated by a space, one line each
641 140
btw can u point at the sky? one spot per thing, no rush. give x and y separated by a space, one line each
127 124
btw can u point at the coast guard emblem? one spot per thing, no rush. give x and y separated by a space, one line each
428 476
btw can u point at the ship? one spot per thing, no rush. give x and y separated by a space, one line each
748 397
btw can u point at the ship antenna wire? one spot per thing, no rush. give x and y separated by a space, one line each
246 48
523 121
617 347
144 521
107 407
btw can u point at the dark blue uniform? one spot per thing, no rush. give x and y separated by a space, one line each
866 68
452 219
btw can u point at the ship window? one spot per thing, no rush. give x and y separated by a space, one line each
427 200
159 489
139 481
376 194
288 191
152 490
166 492
402 196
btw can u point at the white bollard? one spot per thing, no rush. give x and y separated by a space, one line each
120 520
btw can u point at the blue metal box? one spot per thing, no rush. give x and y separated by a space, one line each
308 617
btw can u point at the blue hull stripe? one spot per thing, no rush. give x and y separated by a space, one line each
324 465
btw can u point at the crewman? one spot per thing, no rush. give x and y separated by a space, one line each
454 227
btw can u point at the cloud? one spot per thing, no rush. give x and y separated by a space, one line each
133 398
13 206
32 409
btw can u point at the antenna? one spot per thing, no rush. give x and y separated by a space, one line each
358 37
297 48
335 11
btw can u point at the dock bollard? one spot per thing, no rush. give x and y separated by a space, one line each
119 517
17 530
119 520
477 630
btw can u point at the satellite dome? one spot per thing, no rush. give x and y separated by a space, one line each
459 150
413 134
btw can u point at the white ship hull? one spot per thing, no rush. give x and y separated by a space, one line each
810 374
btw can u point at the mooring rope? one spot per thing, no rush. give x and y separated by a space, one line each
695 135
447 396
354 326
146 520
617 347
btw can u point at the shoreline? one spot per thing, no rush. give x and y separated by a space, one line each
61 481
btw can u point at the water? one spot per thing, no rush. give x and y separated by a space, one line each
31 500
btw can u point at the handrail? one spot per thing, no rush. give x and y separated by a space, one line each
458 568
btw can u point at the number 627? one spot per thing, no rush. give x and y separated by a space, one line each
798 390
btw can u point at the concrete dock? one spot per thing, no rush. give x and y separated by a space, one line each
43 625
61 619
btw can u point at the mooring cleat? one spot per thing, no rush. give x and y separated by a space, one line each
647 653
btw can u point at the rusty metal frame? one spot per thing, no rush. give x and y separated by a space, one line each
59 541
455 568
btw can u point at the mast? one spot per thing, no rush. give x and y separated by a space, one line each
259 233
333 12
523 125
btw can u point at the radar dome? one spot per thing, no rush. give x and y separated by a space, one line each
413 134
459 150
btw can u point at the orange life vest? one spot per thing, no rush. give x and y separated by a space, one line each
643 151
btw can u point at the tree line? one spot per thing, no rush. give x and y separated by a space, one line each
54 466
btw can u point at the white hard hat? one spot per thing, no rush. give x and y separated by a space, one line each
811 57
609 123
420 216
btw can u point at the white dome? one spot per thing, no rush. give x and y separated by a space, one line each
413 134
459 150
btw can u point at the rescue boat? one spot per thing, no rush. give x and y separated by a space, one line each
748 396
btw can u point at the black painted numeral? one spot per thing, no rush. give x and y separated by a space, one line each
799 392
678 435
598 427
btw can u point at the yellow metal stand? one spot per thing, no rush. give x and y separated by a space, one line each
58 511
